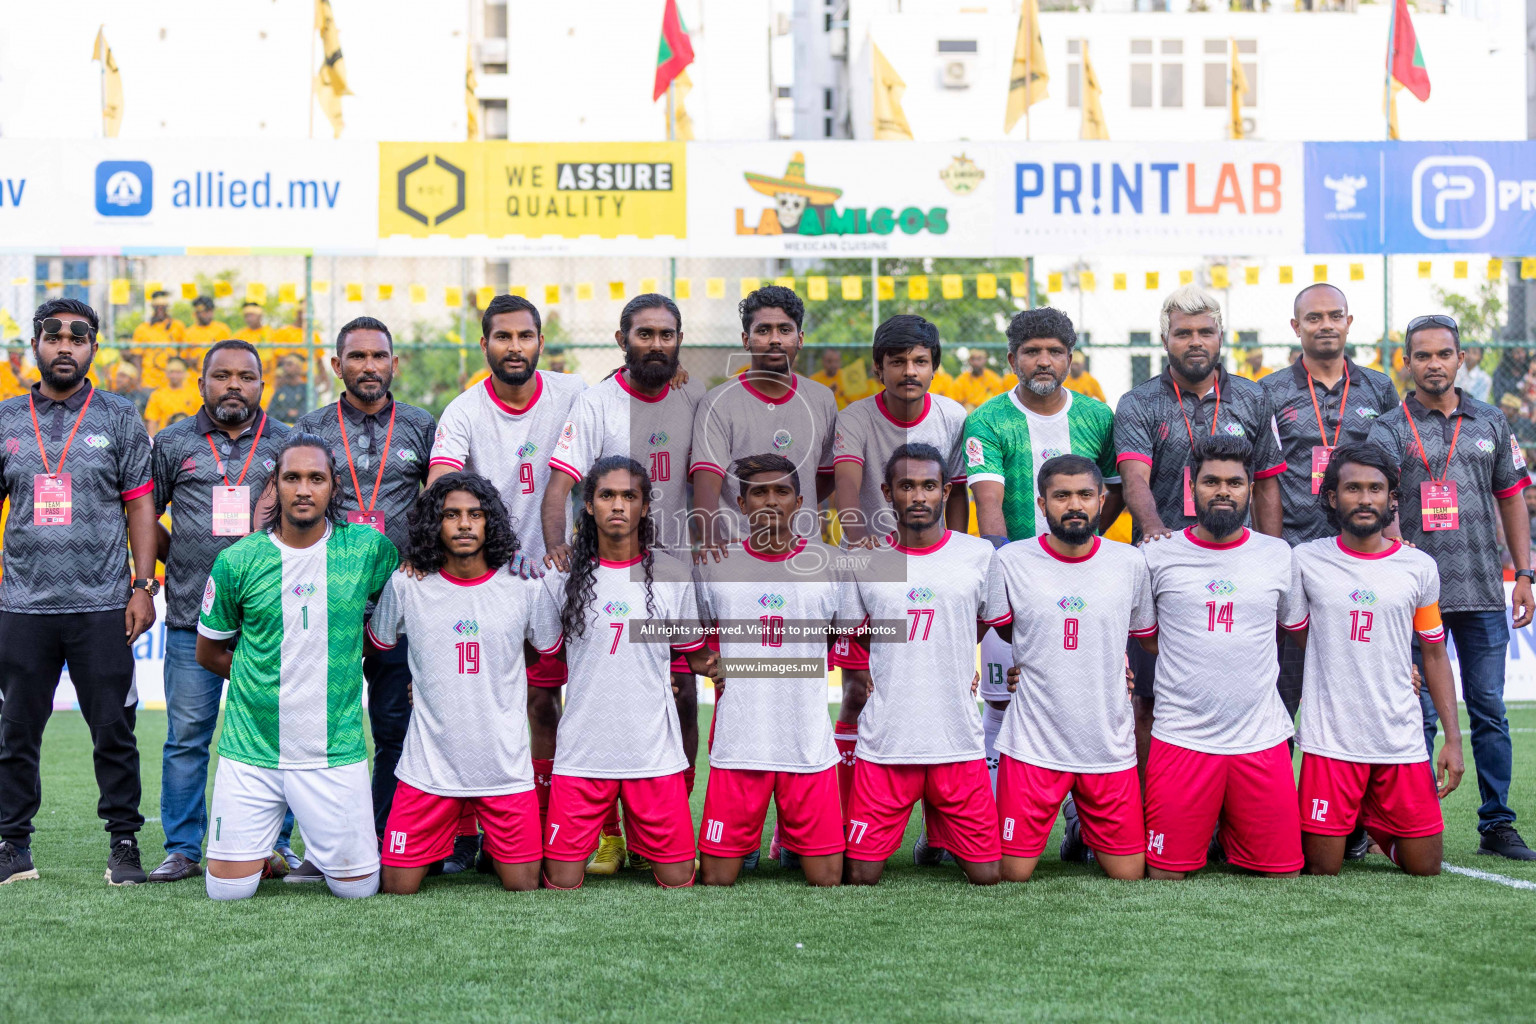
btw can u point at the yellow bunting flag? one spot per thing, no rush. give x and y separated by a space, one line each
1495 269
418 293
1319 273
121 291
583 291
986 286
714 287
1152 278
1119 282
784 282
1459 270
520 290
885 287
385 292
1527 268
1053 282
682 288
1424 268
483 295
853 288
917 287
1086 281
647 285
615 289
319 288
816 289
1286 275
1018 285
188 290
1357 271
1250 275
1220 277
453 296
150 287
354 291
1186 277
255 291
551 295
952 286
288 293
749 285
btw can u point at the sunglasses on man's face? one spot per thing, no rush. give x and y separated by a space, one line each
1434 320
55 327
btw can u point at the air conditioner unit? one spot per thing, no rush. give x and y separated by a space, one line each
1249 127
837 43
955 72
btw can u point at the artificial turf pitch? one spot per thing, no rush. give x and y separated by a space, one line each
1070 945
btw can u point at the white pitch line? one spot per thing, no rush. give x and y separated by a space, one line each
1488 876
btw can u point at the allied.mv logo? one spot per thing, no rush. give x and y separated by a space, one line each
124 188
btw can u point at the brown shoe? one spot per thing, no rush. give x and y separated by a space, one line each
174 868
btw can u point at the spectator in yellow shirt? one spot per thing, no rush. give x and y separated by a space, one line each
942 382
258 334
179 395
1252 366
978 383
1081 381
125 382
15 379
160 335
203 333
291 340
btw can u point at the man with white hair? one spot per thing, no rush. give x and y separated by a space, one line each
1195 392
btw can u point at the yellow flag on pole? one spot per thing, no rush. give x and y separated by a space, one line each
471 102
1028 77
1094 126
682 85
111 86
1238 85
331 79
890 119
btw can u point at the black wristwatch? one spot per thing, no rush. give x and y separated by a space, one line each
150 586
1528 574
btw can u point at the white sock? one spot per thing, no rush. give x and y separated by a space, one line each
231 888
354 890
991 725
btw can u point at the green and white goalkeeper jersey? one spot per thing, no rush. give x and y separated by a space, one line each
296 686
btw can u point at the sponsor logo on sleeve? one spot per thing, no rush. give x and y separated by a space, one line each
209 592
974 456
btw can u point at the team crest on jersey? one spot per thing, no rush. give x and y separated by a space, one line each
98 441
618 608
1221 588
1289 414
1235 429
1484 445
1049 453
189 464
12 445
467 627
440 437
920 595
1162 431
974 456
1363 596
269 464
303 589
526 449
1071 604
408 454
209 592
1367 412
782 439
774 601
659 438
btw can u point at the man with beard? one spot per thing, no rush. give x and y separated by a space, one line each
210 471
75 460
1074 600
384 445
294 596
1464 474
1219 751
1367 596
1195 392
505 429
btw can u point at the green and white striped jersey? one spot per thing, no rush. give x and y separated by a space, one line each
296 685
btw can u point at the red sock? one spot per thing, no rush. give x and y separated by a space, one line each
688 775
846 734
543 777
469 825
611 823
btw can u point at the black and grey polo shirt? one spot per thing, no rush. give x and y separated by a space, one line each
404 463
186 473
1487 466
81 566
1345 418
1150 427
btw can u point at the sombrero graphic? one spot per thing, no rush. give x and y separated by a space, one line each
793 183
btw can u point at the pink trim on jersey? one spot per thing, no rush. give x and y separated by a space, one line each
553 650
930 549
764 556
1133 457
1297 626
1189 532
538 391
139 491
443 460
1046 547
381 645
1001 620
1510 492
1149 631
847 458
606 564
708 467
794 382
1434 636
619 378
460 581
1352 553
565 467
904 424
685 648
1265 474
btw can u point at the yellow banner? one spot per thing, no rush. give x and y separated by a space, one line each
532 190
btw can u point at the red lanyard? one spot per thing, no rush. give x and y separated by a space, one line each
32 404
346 446
1322 431
248 455
1215 414
1423 454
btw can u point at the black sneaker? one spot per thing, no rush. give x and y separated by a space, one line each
925 855
463 856
1358 844
1073 849
752 860
123 867
15 863
1504 841
307 871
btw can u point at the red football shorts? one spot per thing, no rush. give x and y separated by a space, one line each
808 808
422 826
1394 799
1253 796
958 808
851 651
657 822
1108 807
547 671
680 661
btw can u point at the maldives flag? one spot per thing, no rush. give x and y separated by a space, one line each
676 50
1407 59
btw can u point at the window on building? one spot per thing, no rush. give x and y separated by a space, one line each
826 99
958 46
1216 71
1141 73
826 127
1074 73
496 20
1172 72
493 119
784 92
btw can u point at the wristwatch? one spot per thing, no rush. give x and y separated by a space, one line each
150 586
1528 574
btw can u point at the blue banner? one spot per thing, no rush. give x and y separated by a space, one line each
1420 197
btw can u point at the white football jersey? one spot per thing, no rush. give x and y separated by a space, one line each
620 720
1362 611
509 447
613 418
772 608
867 434
469 717
1070 621
1217 608
922 710
735 420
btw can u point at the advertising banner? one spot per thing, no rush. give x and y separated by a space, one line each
1107 198
565 198
1421 197
110 195
831 199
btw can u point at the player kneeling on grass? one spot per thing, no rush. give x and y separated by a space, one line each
467 745
920 732
1074 599
619 735
294 594
1361 731
771 735
1219 751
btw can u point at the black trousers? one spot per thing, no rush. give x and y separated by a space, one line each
33 652
388 674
